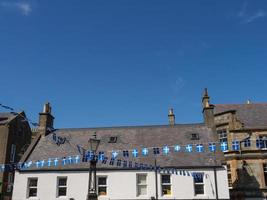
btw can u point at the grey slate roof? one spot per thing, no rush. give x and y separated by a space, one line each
129 138
6 117
253 115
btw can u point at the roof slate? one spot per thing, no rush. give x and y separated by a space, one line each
253 115
6 118
129 138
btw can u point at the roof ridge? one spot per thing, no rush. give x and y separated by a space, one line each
241 104
137 126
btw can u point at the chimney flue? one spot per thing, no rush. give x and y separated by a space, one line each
46 120
171 117
207 109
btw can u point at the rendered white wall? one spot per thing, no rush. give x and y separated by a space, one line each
121 185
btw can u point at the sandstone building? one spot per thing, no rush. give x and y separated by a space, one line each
15 136
244 125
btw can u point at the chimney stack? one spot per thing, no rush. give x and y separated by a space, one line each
171 117
207 110
46 120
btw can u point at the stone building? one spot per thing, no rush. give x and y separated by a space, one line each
15 137
243 125
125 177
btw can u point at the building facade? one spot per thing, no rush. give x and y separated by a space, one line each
246 124
119 184
15 136
177 174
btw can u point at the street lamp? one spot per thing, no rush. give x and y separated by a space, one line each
91 194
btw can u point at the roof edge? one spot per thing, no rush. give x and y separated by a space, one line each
141 126
30 149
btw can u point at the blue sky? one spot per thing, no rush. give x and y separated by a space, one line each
113 63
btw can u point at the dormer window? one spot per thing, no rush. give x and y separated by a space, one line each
194 136
112 139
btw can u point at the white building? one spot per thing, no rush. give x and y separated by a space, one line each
118 185
114 182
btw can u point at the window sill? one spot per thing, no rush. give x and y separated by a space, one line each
33 198
142 197
201 196
103 197
167 196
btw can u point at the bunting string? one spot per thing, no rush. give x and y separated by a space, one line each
85 155
100 158
12 111
200 147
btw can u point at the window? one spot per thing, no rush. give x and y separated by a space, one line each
13 153
61 186
194 136
156 150
229 175
222 134
141 184
102 186
118 162
265 172
247 142
10 178
10 182
166 184
125 153
261 142
198 183
112 139
32 187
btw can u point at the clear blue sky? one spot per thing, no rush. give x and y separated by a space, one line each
112 63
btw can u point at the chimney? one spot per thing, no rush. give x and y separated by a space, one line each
171 117
46 120
207 110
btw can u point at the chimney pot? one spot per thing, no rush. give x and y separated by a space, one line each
171 111
47 108
171 117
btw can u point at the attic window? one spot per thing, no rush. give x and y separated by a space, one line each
194 136
112 139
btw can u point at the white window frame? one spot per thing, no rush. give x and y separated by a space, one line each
222 135
162 184
247 143
263 139
140 185
62 186
98 185
202 184
32 187
13 153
